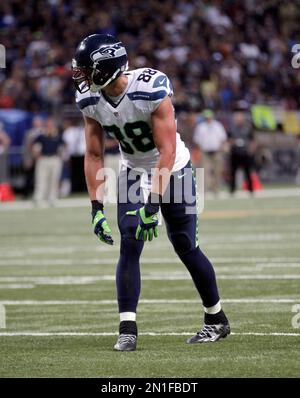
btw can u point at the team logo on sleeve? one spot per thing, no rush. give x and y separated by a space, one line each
160 81
108 51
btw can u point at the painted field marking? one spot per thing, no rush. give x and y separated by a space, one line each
252 265
84 202
153 260
2 317
145 301
104 334
88 279
14 286
81 281
16 260
259 261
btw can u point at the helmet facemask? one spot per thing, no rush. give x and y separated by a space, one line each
82 77
102 77
86 79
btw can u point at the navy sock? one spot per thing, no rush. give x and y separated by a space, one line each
128 278
128 327
203 275
214 319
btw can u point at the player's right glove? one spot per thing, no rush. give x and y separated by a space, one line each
100 224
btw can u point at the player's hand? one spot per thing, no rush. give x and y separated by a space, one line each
101 228
147 227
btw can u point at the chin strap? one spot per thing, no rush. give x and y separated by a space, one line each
95 87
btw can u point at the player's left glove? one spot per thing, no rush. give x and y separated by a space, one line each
148 222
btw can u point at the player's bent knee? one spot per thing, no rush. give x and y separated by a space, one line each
130 247
128 233
127 227
182 242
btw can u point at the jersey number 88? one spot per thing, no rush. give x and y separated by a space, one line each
134 137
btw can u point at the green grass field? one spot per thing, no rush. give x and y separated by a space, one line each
58 313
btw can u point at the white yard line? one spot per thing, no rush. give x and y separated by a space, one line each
145 301
84 202
87 279
252 268
270 265
251 260
267 193
8 254
31 282
259 277
258 261
2 317
16 286
104 334
232 246
29 205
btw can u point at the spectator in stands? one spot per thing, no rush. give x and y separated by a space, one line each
210 138
215 52
48 150
38 126
4 145
242 149
74 139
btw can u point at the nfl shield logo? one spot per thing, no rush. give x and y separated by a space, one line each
116 114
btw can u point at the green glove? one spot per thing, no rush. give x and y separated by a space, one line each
101 228
147 227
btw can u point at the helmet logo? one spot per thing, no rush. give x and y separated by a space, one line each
108 51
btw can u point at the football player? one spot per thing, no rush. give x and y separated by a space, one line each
135 108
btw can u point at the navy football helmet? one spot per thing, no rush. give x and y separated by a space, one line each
99 60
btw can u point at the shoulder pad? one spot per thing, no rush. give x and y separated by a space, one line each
148 83
86 99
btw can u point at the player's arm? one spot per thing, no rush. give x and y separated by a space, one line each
164 134
93 163
94 158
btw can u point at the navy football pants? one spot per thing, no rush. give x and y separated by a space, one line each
182 224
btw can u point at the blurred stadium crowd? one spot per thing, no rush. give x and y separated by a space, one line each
223 55
215 52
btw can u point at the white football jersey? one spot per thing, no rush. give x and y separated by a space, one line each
129 120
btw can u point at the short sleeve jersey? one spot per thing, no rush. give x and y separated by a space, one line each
129 120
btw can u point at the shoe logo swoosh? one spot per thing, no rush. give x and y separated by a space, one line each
181 175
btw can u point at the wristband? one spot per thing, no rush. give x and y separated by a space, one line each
152 204
96 206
